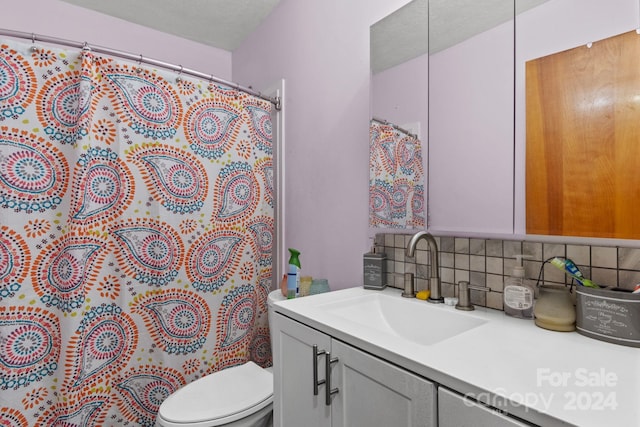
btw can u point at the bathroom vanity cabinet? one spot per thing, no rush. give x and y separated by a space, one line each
390 364
366 390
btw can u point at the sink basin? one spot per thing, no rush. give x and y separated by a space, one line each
411 319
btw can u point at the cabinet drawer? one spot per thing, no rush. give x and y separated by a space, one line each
456 411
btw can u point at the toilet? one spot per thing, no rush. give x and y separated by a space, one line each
240 396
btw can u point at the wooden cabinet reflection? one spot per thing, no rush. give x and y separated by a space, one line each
583 140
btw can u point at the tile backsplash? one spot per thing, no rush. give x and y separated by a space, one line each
488 262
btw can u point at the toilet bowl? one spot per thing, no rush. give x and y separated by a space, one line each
240 396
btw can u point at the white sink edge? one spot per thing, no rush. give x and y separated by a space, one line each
315 309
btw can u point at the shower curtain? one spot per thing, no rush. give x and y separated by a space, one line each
136 233
396 178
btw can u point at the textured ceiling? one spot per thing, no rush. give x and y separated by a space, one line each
419 27
219 23
401 36
424 26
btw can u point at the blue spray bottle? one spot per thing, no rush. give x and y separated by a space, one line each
293 276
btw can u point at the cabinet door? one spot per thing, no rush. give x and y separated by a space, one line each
374 393
456 411
294 402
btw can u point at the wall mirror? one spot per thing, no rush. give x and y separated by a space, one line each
475 137
555 29
399 90
471 110
433 74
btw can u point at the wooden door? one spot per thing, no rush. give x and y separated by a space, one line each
583 140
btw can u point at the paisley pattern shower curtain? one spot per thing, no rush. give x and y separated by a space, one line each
136 232
396 178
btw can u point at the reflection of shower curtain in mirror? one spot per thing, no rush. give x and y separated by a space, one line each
396 178
136 229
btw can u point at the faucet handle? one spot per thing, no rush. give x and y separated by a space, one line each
464 294
409 286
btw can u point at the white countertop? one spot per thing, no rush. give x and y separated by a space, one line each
545 377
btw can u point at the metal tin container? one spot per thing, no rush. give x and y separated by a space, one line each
375 271
611 315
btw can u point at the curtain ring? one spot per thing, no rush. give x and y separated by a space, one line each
179 78
211 85
86 52
34 48
139 67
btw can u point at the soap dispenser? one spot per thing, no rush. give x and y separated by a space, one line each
519 292
375 269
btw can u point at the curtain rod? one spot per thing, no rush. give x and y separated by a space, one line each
138 58
396 127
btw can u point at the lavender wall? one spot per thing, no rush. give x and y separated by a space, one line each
400 95
321 49
471 135
55 18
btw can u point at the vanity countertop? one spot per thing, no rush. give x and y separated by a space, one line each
545 377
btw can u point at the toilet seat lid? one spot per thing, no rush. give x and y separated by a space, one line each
227 395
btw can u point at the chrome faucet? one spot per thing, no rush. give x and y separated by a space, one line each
434 281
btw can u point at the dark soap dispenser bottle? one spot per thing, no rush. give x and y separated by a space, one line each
375 270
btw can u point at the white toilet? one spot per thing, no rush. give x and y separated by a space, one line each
240 396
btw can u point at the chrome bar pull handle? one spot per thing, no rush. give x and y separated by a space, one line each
328 390
316 353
